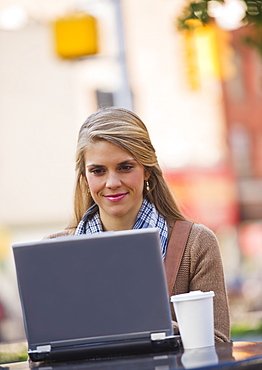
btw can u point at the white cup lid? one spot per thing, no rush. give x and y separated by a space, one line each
196 294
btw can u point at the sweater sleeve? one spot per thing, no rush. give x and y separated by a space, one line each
201 269
207 274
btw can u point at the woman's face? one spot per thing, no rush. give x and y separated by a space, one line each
116 182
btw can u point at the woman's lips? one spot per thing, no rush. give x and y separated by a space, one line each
115 197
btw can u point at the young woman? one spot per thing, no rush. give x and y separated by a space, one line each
120 186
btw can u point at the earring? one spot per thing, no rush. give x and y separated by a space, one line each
88 193
147 186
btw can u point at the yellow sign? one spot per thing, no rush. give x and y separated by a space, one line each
208 54
76 35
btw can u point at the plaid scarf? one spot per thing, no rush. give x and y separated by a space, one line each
147 217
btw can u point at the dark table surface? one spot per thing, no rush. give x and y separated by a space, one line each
235 355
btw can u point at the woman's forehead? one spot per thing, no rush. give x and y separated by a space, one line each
104 151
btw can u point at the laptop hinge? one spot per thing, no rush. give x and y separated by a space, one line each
158 336
46 348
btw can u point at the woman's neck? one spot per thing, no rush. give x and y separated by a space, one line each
117 224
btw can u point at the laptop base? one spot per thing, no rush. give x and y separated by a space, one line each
117 348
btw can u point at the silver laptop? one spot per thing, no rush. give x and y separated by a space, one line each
94 295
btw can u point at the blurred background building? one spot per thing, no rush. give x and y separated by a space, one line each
193 76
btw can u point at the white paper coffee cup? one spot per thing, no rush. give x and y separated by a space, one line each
195 318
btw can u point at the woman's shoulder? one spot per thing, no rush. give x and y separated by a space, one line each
201 241
202 231
197 230
202 238
66 232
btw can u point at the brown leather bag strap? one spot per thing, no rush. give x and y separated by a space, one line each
175 250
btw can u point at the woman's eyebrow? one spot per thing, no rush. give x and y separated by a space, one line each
94 165
118 164
127 161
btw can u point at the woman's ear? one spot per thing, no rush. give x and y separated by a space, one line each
147 174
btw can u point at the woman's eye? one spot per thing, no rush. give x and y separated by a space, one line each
97 171
126 168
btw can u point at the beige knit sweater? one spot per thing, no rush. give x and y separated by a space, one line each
200 269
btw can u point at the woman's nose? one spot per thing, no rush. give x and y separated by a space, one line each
113 181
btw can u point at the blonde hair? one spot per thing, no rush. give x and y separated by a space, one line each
125 129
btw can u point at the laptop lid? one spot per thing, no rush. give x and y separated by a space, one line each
93 289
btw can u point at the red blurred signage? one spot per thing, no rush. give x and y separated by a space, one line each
250 238
207 196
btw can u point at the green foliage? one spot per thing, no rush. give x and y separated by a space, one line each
13 352
254 12
245 329
195 10
196 13
199 10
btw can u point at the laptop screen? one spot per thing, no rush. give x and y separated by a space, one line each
93 287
